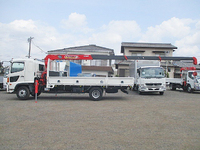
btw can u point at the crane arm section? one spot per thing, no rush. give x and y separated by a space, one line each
115 57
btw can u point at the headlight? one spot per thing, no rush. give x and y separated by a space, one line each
142 86
163 87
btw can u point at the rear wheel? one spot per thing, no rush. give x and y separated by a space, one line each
96 93
172 86
23 93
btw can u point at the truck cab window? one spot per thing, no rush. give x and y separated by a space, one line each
41 67
190 74
17 67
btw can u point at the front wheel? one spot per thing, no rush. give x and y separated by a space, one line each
23 93
96 93
161 93
189 89
139 92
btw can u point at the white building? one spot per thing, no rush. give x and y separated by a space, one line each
145 49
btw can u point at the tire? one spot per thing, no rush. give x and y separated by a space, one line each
184 88
172 87
161 93
23 93
96 93
189 89
140 93
135 88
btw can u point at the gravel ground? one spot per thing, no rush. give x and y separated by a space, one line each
118 122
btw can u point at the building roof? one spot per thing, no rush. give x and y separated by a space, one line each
98 68
146 45
88 48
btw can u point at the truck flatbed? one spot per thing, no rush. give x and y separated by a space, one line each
174 80
90 81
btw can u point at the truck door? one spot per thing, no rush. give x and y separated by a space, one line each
30 71
190 79
17 72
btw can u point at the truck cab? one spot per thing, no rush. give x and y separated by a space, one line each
191 80
148 75
150 79
21 76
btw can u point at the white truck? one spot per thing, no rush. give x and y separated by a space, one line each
53 76
149 76
189 81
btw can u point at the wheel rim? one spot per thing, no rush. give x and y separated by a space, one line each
95 94
22 93
189 89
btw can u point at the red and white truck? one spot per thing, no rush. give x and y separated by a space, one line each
53 75
189 81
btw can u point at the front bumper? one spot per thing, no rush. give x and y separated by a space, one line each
144 88
9 89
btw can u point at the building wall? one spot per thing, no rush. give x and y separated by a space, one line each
98 73
91 62
147 52
129 51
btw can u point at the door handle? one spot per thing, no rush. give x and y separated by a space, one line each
21 76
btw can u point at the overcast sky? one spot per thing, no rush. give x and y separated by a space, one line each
56 24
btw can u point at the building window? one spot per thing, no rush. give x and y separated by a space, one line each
160 54
136 54
95 63
99 63
77 62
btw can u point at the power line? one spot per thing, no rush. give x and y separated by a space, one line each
39 47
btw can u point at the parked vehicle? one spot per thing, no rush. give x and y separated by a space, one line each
6 71
1 81
149 76
189 81
59 77
1 75
32 77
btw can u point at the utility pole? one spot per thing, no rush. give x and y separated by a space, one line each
29 40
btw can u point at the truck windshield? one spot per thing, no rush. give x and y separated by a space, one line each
152 72
17 66
198 75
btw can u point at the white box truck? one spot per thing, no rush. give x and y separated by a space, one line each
148 75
